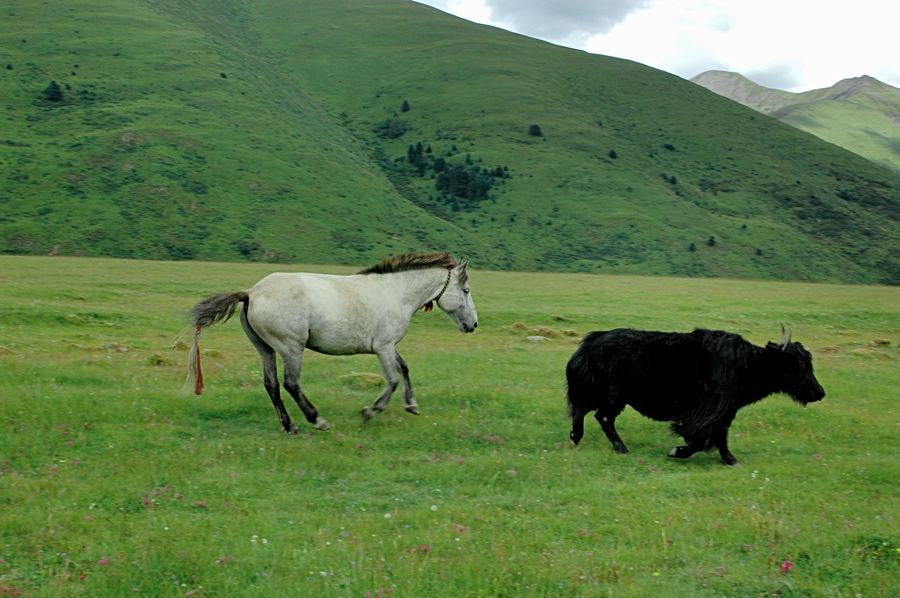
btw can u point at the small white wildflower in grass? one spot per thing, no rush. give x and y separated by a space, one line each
253 538
387 515
264 541
434 507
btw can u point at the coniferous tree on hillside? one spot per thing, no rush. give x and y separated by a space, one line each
52 93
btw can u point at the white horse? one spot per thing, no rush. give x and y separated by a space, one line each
367 312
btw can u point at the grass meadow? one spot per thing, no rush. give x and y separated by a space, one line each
115 482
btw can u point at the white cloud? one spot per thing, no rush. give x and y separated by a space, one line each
472 10
788 44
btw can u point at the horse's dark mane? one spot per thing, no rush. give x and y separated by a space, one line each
411 261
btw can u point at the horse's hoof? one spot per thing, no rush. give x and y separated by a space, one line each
414 409
293 429
367 413
321 424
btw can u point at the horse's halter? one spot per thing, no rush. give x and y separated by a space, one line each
430 304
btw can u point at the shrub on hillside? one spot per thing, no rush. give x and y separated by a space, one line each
459 186
52 93
391 128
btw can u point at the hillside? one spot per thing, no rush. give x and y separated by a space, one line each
338 132
860 114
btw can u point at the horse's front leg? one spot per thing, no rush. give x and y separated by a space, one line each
411 405
388 358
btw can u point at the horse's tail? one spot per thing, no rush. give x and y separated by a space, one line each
216 308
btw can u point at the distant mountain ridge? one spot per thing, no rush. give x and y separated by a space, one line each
861 114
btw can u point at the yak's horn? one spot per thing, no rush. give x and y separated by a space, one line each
785 337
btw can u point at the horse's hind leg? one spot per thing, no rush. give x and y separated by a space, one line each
292 366
392 368
409 398
270 375
270 380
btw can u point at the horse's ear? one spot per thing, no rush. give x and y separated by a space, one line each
462 275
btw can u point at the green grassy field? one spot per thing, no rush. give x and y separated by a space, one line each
114 482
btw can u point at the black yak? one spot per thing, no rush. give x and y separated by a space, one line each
696 380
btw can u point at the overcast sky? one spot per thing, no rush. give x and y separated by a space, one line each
795 45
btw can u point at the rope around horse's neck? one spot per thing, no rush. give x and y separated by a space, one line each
430 304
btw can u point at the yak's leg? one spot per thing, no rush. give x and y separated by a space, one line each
388 358
684 451
692 445
408 397
607 420
292 367
577 426
720 441
270 375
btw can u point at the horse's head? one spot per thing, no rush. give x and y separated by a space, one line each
457 300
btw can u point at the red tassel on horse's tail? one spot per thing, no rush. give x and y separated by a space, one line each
198 385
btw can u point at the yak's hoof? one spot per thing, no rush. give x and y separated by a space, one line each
292 429
621 449
367 413
730 460
414 409
681 452
321 424
575 438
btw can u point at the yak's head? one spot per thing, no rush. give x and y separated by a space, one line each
798 378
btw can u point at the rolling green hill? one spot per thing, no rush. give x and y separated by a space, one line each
291 131
860 114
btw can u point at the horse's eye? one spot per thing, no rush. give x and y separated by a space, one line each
466 291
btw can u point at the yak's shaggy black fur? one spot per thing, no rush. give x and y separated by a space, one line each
695 380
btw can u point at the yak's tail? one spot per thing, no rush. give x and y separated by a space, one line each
580 384
581 392
217 308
